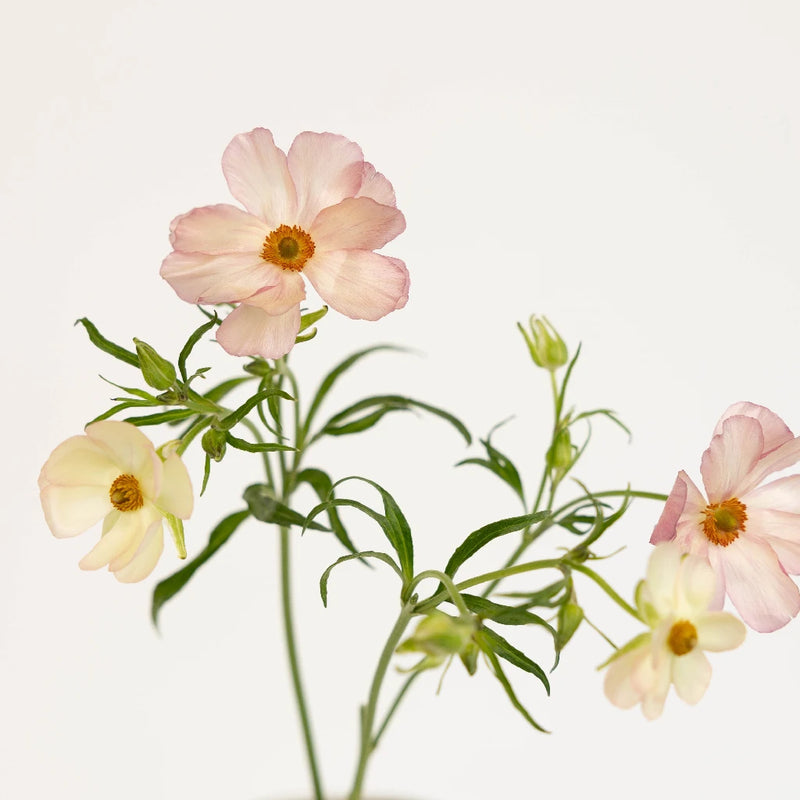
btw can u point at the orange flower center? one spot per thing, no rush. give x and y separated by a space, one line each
723 522
287 247
126 494
682 637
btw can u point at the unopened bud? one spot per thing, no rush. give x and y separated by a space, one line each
562 453
440 636
157 371
214 443
546 347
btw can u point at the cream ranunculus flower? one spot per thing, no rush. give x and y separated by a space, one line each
114 473
674 601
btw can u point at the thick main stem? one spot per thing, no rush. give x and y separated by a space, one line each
294 665
368 711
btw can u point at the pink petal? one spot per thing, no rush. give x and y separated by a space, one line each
225 278
376 186
673 508
258 177
145 557
289 291
691 674
70 510
781 531
782 494
358 283
216 230
325 169
356 224
763 594
729 458
786 455
775 430
251 331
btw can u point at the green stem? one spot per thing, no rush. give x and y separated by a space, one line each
294 664
368 712
390 713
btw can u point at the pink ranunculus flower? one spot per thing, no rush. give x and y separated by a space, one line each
318 211
749 533
114 473
674 601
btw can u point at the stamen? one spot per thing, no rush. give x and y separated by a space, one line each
126 494
682 637
287 247
723 522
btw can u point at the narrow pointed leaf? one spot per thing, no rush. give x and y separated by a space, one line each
255 447
192 341
503 614
322 485
266 508
99 341
516 657
385 557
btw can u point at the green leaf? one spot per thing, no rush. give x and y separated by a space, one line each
385 557
266 508
392 522
481 537
169 587
175 415
330 379
255 447
192 341
228 421
543 598
107 346
498 463
349 420
504 682
322 485
570 616
510 653
503 614
219 391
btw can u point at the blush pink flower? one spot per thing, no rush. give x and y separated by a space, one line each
114 473
318 211
674 601
748 532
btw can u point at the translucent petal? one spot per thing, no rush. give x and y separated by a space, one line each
219 229
356 224
129 528
250 331
691 674
730 457
718 631
376 186
70 510
774 430
146 556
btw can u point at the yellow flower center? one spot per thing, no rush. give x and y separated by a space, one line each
723 522
287 247
682 637
126 494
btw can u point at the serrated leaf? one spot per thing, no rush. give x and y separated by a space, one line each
107 346
266 508
481 537
169 587
385 557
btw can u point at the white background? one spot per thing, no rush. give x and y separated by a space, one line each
629 169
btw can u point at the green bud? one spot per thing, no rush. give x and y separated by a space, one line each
440 636
546 347
570 616
157 371
562 453
214 443
469 657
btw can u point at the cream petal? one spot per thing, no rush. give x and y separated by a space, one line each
358 283
250 331
661 576
761 591
146 556
70 510
375 185
357 223
628 677
325 169
131 451
78 461
216 230
290 291
697 586
655 697
258 176
227 278
129 528
718 631
691 674
730 457
176 496
774 429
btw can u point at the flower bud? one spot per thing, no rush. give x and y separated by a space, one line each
157 371
546 347
562 453
214 443
440 636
